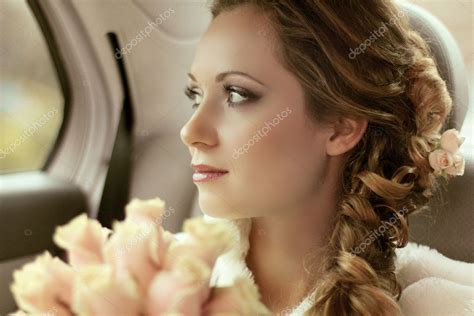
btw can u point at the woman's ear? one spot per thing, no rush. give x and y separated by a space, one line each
347 132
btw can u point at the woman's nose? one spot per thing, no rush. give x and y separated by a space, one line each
200 129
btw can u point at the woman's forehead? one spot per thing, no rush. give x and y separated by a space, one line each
240 39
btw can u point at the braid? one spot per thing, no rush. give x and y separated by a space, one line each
429 94
365 278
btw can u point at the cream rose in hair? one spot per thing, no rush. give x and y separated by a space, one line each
440 159
447 159
457 168
451 140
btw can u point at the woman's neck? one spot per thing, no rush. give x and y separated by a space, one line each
282 254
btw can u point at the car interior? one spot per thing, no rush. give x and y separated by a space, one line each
114 95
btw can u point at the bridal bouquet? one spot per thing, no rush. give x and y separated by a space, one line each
137 268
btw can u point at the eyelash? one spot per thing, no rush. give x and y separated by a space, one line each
249 96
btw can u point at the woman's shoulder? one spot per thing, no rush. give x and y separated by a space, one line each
415 262
436 296
433 284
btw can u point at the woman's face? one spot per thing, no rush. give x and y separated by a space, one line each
250 120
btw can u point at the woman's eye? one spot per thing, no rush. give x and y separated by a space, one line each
193 96
235 97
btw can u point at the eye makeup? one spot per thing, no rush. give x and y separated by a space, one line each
233 92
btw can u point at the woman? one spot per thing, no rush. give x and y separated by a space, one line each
313 130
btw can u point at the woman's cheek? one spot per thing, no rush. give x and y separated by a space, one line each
269 154
262 173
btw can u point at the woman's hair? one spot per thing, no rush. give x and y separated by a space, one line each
362 59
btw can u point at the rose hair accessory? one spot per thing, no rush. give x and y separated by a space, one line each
446 159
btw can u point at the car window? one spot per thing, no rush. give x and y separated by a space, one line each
31 99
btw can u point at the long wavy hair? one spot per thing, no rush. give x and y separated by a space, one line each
362 59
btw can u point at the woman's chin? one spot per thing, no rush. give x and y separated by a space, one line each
218 213
219 210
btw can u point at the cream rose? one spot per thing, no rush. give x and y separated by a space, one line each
457 168
181 290
83 239
150 210
205 239
98 291
440 159
137 248
43 286
451 140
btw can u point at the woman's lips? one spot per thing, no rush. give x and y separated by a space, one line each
204 173
204 176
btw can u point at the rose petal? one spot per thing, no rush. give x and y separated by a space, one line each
137 248
150 210
457 168
183 290
451 140
98 291
43 286
440 159
83 239
206 240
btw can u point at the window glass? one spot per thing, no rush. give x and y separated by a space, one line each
31 99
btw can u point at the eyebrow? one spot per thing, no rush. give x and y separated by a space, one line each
222 75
